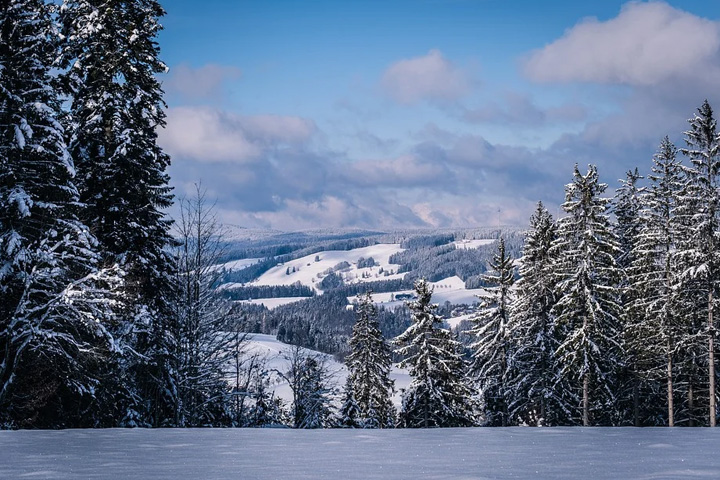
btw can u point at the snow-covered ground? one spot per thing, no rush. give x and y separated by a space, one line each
259 454
451 289
309 272
277 353
271 303
470 244
238 264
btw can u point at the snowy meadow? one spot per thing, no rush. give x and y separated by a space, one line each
462 453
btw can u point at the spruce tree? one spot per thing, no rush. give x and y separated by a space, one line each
537 392
699 255
652 338
588 310
369 388
438 395
111 61
492 347
626 206
53 298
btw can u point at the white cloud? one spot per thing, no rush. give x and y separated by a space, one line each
207 135
203 82
430 77
646 44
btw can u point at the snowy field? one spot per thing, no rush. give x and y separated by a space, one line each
276 355
309 272
259 454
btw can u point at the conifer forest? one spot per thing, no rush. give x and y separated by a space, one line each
110 315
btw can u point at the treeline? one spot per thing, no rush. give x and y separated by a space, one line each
249 292
611 321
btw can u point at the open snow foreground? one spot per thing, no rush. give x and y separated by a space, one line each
471 453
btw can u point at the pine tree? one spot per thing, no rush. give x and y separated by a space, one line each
652 338
53 298
492 348
438 395
308 377
537 393
699 253
111 61
626 206
369 388
588 310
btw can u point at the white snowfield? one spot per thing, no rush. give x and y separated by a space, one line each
451 289
309 272
471 244
238 264
264 454
276 354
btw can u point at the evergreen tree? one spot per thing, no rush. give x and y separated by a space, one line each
537 393
699 256
588 310
626 206
369 388
438 395
492 349
651 340
115 108
308 378
53 298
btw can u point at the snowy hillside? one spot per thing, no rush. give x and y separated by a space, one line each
458 453
276 355
451 289
311 269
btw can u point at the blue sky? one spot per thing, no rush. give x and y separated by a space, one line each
384 114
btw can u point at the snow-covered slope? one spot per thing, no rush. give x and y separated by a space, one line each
347 454
451 289
277 353
311 269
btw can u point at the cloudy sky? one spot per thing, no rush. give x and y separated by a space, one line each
399 113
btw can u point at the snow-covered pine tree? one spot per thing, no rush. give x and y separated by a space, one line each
537 395
111 61
308 377
438 395
698 256
588 309
53 299
490 366
631 387
369 363
651 339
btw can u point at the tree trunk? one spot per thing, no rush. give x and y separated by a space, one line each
636 400
586 401
671 409
711 359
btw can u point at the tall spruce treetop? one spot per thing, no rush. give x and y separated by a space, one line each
438 395
50 306
492 348
699 200
111 58
369 386
588 307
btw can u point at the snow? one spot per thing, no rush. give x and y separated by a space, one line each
477 453
238 264
271 303
451 289
275 352
310 273
472 244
